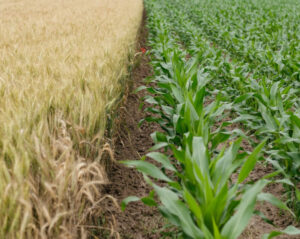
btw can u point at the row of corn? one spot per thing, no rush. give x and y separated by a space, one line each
215 100
266 100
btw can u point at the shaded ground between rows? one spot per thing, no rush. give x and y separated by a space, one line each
137 221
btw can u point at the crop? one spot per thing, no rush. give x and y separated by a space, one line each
210 74
265 99
271 91
63 69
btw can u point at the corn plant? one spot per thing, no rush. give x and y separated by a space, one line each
194 183
259 86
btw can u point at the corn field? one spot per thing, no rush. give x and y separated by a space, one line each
225 90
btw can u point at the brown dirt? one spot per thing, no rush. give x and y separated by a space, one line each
140 221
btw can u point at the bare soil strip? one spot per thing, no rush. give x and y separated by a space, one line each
138 220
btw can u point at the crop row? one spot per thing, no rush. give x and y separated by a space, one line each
199 88
266 106
264 33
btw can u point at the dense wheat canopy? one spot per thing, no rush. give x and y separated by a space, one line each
63 66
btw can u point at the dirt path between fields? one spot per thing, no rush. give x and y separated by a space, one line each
138 221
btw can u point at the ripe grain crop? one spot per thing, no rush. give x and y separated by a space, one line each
63 66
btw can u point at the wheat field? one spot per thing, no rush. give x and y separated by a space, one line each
63 67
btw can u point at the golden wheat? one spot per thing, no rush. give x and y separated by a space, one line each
62 69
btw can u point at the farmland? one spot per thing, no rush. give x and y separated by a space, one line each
63 66
186 117
225 91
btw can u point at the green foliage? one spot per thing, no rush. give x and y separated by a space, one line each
243 56
216 64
